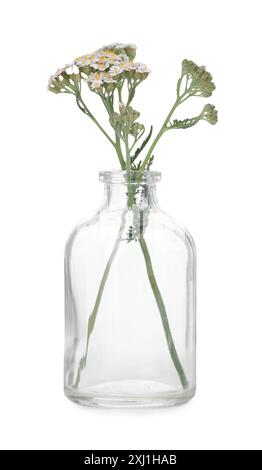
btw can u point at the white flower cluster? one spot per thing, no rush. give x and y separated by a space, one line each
106 66
110 64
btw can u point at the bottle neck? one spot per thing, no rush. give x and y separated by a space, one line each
133 189
144 196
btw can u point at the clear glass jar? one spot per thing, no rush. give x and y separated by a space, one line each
130 302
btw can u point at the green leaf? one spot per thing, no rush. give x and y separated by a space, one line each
139 149
151 159
185 123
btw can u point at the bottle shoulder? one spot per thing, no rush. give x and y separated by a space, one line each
105 224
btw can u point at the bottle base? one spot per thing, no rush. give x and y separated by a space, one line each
128 394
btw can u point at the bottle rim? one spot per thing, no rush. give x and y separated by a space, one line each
120 177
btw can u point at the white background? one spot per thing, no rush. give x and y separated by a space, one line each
50 158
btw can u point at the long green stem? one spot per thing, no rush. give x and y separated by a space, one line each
158 136
82 106
128 170
162 310
179 100
110 110
92 318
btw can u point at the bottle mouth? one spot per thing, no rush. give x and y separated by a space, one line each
120 177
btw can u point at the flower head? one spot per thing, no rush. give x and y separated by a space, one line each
117 69
137 129
102 58
125 119
209 114
114 60
128 113
97 80
141 68
102 65
201 80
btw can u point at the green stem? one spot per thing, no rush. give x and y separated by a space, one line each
119 89
128 170
179 100
92 318
119 153
117 144
131 91
82 106
162 310
158 136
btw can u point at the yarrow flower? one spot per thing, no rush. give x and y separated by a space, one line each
115 60
101 65
102 70
136 129
100 58
86 59
97 79
141 68
124 119
201 80
116 70
209 114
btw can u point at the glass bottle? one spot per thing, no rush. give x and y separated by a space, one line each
130 302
